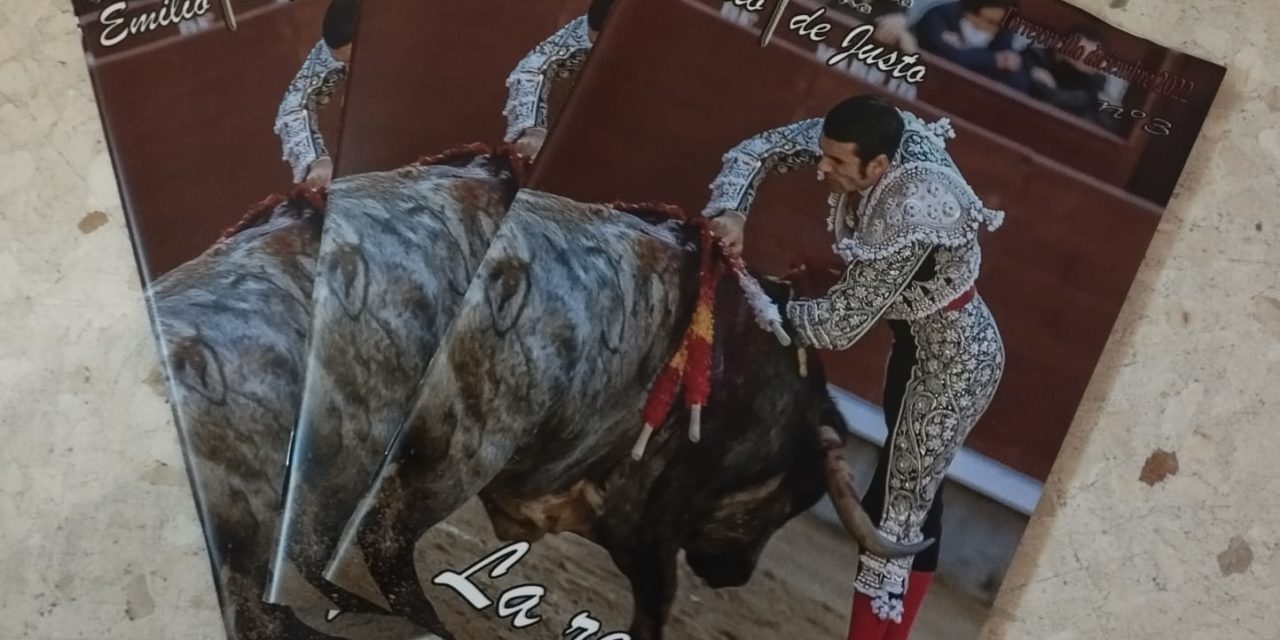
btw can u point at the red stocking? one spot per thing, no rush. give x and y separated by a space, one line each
916 588
864 624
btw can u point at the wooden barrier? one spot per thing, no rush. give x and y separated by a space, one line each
431 74
191 133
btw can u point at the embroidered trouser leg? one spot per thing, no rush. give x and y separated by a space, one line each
901 361
944 371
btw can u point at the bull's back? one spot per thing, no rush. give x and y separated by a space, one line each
399 250
232 326
607 299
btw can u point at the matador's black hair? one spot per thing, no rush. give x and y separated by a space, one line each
340 23
598 11
868 121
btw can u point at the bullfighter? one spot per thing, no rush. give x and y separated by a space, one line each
555 58
906 225
322 72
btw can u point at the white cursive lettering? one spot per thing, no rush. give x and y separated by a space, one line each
110 21
506 557
517 603
170 13
520 602
856 45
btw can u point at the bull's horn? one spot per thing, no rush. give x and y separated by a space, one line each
637 452
845 498
780 334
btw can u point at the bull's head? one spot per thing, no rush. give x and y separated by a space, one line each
787 455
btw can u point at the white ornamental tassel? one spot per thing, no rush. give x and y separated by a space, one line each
762 306
637 451
994 218
695 423
941 131
887 607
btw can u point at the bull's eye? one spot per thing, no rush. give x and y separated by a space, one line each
198 368
507 292
347 276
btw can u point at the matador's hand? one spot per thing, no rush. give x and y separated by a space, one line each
729 228
529 144
320 174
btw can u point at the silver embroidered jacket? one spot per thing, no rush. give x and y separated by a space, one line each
922 205
920 208
297 123
529 85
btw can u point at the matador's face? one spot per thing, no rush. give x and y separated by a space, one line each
844 171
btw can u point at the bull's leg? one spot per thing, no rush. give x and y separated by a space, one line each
425 479
651 568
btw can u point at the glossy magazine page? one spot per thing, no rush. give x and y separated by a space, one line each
213 114
958 286
680 341
444 98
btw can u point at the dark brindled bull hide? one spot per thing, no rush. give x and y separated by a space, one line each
534 400
398 253
233 326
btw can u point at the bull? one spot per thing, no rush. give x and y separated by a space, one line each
231 325
534 398
398 252
233 328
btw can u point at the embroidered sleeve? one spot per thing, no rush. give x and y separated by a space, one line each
529 85
853 305
296 121
746 165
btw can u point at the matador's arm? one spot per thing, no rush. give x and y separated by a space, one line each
297 123
746 165
529 85
840 318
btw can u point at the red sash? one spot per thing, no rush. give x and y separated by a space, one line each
962 299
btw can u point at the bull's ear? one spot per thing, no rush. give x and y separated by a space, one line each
197 368
507 291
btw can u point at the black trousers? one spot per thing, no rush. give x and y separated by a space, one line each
902 359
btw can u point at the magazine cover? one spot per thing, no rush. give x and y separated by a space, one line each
677 356
223 125
433 151
209 108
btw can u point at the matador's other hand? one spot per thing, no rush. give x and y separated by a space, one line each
529 144
729 227
320 174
